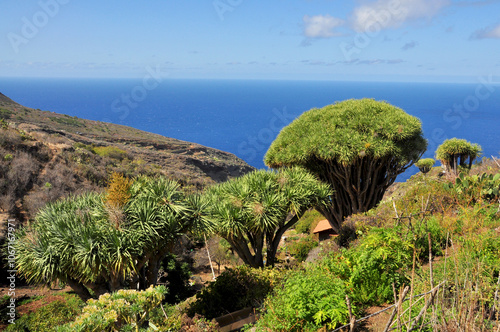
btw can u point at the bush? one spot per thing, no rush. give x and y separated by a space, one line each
380 259
300 249
5 114
347 234
110 152
46 318
476 187
118 191
307 221
233 290
438 238
308 300
198 324
176 276
118 311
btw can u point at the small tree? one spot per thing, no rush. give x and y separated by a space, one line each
79 241
359 147
457 152
257 208
425 165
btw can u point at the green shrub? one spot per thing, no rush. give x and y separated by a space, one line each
476 187
4 309
46 318
233 290
110 152
8 157
177 279
25 136
300 249
120 311
308 300
380 259
67 120
5 114
307 221
347 234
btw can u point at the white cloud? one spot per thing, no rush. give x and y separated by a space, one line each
321 26
491 32
384 14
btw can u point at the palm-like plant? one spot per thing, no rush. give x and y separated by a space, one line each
75 240
157 214
255 210
71 240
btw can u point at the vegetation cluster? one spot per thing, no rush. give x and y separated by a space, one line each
431 248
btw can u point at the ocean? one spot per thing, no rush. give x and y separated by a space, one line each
244 116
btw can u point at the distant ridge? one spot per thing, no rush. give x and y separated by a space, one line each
45 156
6 101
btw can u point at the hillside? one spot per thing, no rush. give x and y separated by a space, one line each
45 155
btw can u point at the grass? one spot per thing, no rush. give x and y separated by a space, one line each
47 316
70 121
5 114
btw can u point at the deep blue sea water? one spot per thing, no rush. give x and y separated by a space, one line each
244 116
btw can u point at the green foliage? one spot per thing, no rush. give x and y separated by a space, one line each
46 318
257 208
110 152
308 219
5 301
451 150
5 114
125 310
369 269
67 120
484 186
346 234
233 290
8 157
300 249
425 165
177 279
25 136
308 300
358 147
345 131
89 245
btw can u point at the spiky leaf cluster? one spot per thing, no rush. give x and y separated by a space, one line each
78 240
454 147
258 207
425 165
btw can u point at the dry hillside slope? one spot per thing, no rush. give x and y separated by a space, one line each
45 156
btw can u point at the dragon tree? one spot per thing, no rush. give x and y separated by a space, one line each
359 147
253 212
457 152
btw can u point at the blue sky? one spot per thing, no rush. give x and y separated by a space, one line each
373 40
